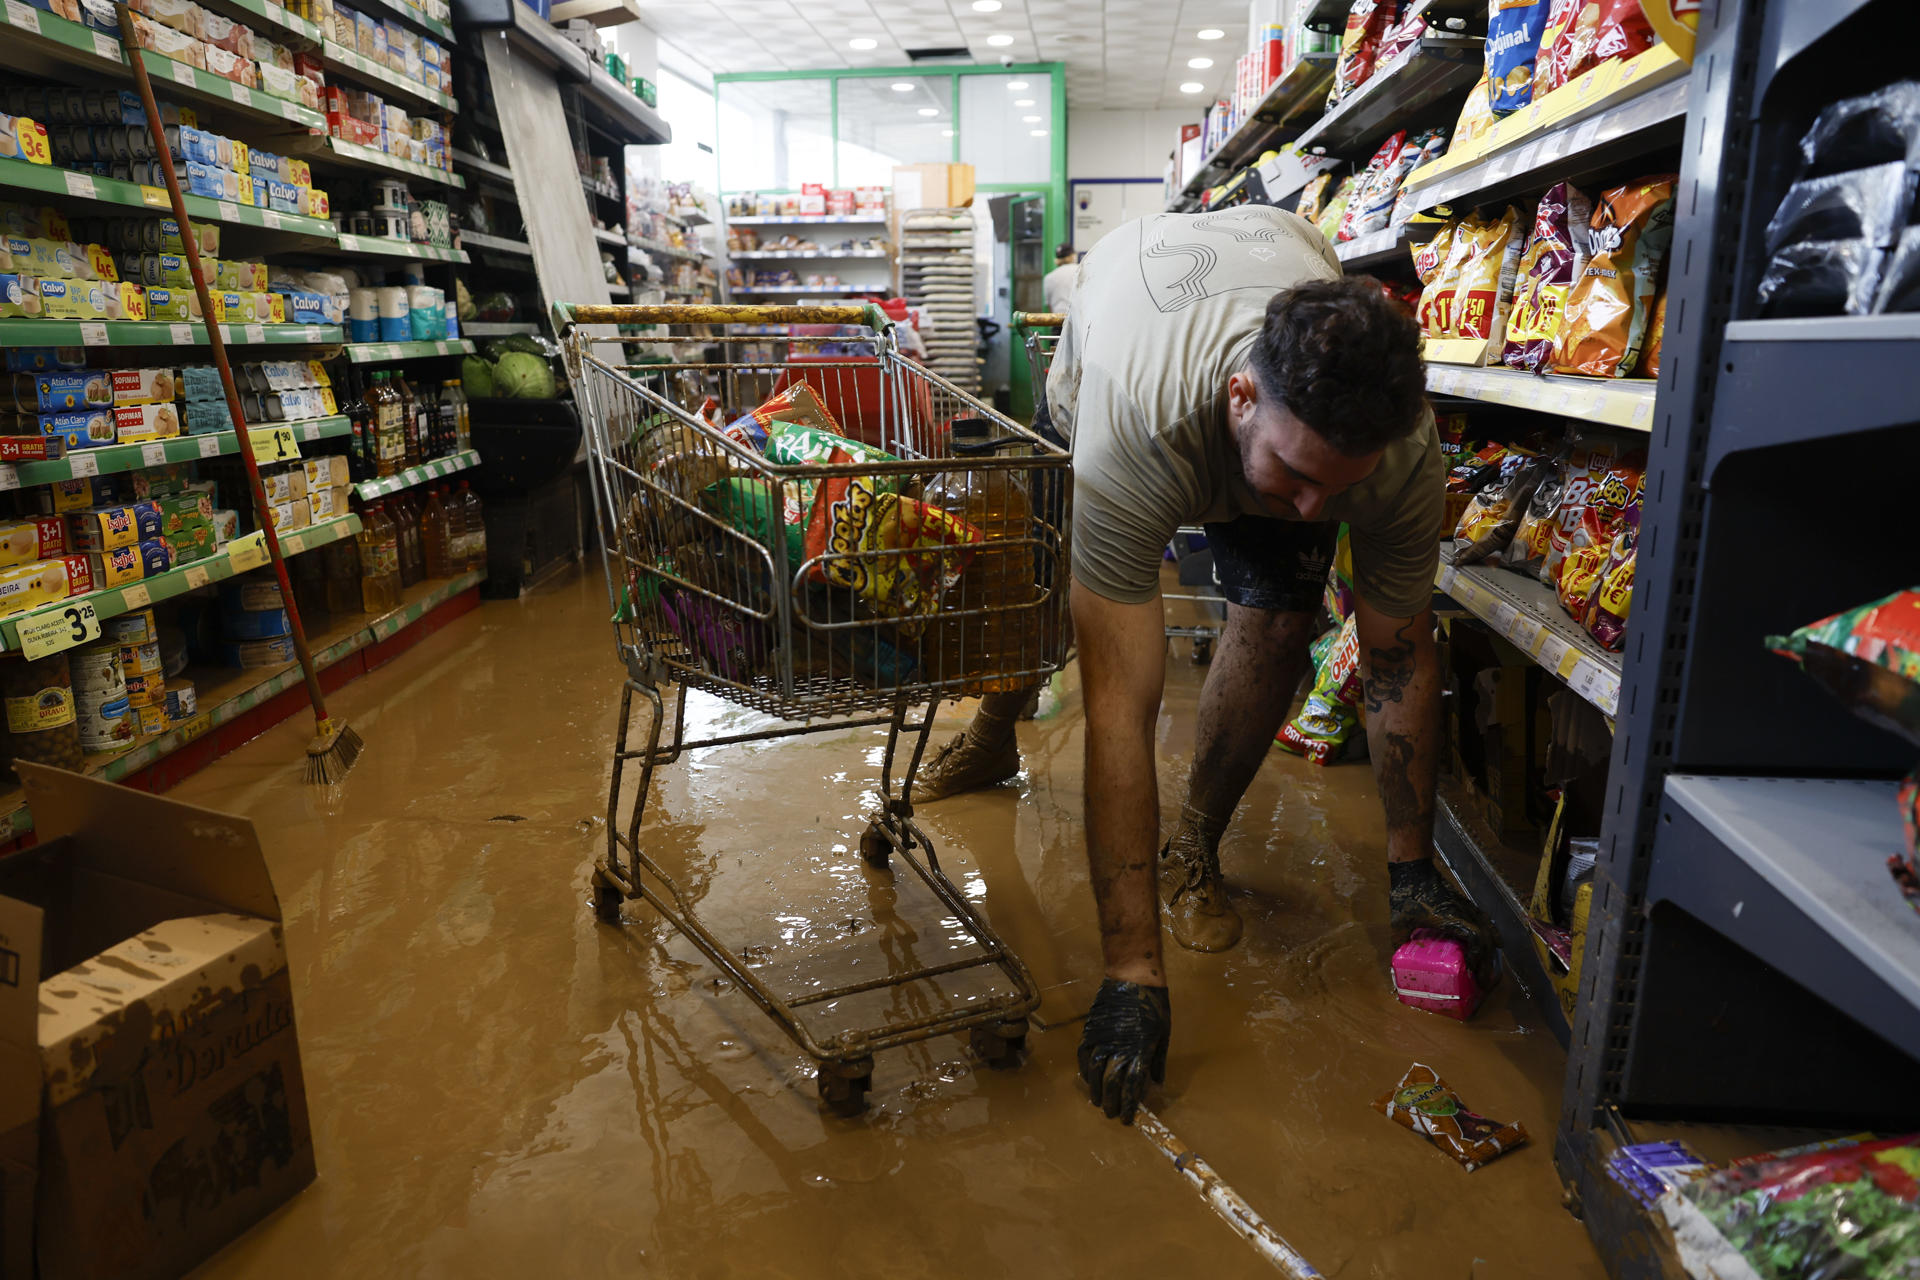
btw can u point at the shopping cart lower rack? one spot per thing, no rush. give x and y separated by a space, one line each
864 541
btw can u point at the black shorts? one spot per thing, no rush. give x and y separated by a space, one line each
1277 565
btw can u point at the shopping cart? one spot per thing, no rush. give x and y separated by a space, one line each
1039 332
815 593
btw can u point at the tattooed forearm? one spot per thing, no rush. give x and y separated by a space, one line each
1406 803
1389 670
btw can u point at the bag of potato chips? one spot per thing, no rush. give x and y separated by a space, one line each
1555 257
1485 289
1436 300
1513 41
1611 303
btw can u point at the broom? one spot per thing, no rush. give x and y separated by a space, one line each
335 746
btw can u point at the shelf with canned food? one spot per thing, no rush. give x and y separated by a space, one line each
157 333
1628 109
113 458
414 16
1618 402
367 490
352 66
39 36
1427 70
388 352
73 615
23 175
385 247
226 696
1526 613
351 155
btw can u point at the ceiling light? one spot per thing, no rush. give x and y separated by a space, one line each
929 111
1038 133
1212 33
999 42
946 133
1030 119
1023 102
904 87
986 6
1198 64
1193 86
863 43
1018 85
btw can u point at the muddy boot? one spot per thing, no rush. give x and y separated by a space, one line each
1192 889
986 752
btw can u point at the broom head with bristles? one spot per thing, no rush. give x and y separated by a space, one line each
332 752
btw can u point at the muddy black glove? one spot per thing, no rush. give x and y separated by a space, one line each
1418 898
1124 1043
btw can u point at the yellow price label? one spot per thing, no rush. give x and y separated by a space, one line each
1568 661
58 629
194 727
248 552
154 197
274 444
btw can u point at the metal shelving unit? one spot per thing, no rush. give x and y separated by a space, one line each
1291 101
1428 70
1748 956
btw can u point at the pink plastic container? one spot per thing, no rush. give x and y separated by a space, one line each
1431 973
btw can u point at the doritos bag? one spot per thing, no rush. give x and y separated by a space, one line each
1608 310
1513 41
1486 280
1555 257
1656 336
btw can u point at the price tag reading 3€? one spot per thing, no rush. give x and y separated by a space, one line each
58 628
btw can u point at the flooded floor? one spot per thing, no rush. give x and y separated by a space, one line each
502 1086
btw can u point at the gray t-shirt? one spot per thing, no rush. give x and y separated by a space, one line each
1166 307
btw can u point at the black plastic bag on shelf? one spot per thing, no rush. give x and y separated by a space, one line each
1864 204
1821 278
1872 129
1900 279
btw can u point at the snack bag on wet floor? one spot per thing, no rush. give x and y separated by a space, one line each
1423 1103
1330 714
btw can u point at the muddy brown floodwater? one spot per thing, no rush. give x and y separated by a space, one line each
502 1086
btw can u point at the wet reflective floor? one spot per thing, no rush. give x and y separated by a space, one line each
502 1086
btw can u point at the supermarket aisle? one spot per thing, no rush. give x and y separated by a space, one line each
501 1086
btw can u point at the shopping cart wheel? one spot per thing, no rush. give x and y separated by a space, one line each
1202 650
875 848
606 899
843 1085
1001 1045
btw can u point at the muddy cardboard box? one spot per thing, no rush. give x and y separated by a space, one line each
174 1112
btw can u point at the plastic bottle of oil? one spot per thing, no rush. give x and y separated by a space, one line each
406 527
434 536
409 419
379 561
389 433
343 576
476 529
986 646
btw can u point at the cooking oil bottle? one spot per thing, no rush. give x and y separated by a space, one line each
475 531
995 503
379 561
434 536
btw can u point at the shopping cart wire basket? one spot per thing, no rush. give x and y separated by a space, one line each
797 519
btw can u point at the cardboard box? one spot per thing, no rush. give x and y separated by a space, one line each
932 186
175 1112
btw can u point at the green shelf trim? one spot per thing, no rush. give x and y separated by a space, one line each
338 55
367 490
387 352
158 333
113 458
114 601
22 175
385 247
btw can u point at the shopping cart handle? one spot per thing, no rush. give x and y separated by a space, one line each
1038 320
566 314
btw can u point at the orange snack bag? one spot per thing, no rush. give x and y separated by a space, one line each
1607 313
